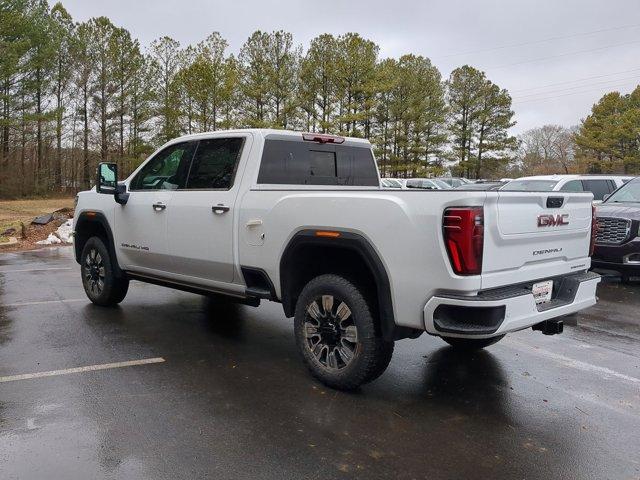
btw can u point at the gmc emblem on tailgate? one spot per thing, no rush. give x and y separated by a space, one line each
548 220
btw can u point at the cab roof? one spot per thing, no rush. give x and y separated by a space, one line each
264 132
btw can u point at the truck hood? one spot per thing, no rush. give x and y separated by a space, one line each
629 211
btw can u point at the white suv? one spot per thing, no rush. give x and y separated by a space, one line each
599 185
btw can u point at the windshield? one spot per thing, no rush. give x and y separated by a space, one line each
629 193
530 185
443 185
421 183
391 183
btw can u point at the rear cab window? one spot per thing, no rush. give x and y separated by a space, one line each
287 161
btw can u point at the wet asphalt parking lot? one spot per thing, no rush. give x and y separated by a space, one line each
171 386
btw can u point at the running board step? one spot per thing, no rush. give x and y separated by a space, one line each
258 292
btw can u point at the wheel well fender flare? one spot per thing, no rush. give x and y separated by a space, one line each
90 222
349 241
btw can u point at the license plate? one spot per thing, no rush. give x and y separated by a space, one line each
542 291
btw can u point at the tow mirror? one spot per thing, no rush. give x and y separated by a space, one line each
107 182
107 178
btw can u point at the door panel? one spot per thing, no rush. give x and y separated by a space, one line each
201 221
141 231
141 224
200 240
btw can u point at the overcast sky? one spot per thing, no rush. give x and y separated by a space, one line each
556 57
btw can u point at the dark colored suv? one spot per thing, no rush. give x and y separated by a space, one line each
618 236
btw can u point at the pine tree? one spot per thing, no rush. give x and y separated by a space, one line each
124 53
355 77
104 86
609 138
165 55
480 116
255 75
62 37
317 83
82 80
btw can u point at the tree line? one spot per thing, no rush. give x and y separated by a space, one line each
73 94
606 141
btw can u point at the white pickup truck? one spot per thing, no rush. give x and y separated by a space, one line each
301 219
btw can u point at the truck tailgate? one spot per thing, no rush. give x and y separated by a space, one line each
535 235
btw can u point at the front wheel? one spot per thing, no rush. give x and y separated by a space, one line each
336 334
99 280
471 343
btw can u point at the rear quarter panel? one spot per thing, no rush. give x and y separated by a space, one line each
403 227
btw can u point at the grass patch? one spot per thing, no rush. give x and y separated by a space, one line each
27 210
15 213
7 224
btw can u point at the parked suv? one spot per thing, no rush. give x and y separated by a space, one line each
618 237
599 185
301 219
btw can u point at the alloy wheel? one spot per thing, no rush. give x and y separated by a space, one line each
330 332
94 272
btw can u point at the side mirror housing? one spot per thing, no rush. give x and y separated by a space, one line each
107 183
604 199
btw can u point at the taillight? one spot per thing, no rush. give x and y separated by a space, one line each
594 230
463 229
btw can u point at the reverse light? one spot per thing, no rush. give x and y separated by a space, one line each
463 230
322 138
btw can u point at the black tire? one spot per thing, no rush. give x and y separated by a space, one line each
471 343
100 283
349 350
625 278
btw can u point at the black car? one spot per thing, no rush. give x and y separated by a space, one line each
618 236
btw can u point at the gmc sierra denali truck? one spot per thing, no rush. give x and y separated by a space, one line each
301 219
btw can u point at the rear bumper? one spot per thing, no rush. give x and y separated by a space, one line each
499 311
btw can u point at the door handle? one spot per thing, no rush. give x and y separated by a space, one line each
159 206
220 209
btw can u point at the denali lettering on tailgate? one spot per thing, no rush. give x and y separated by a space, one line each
546 251
548 220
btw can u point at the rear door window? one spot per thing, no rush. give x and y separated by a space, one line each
599 188
290 162
214 163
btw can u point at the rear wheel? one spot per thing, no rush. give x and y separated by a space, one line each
471 343
100 283
336 334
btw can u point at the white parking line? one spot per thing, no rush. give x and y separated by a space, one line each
36 270
604 372
89 368
44 302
